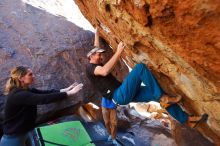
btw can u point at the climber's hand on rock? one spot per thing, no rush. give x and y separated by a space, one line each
96 29
120 47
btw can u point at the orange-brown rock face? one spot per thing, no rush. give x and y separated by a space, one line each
180 39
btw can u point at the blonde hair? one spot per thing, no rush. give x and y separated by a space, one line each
13 81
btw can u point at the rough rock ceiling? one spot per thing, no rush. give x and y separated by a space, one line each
180 39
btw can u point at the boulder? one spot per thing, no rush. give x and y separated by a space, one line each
178 39
53 47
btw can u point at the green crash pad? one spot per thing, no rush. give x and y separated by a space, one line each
64 134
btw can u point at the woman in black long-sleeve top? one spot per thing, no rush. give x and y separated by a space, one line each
21 105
